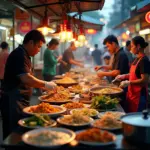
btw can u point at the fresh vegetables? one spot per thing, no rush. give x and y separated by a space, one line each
38 120
104 102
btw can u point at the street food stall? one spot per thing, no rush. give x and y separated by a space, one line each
79 114
83 111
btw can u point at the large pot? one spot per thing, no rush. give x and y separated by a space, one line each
94 91
136 127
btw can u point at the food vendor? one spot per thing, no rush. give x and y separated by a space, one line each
50 61
137 79
120 64
18 80
68 57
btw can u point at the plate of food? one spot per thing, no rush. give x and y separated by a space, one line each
44 109
75 120
37 121
59 76
85 112
75 89
66 82
60 97
104 103
95 137
74 105
116 114
108 122
48 137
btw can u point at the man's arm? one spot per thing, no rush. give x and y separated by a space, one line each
32 81
74 62
109 67
144 79
113 73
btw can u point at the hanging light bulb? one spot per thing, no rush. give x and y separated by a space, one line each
81 38
66 32
44 27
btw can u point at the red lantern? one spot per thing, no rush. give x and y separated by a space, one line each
147 17
91 31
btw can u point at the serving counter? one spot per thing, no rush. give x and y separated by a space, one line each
14 142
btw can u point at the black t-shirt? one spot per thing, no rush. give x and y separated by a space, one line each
143 66
18 63
121 62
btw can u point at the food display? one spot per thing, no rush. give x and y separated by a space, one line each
103 102
113 114
85 112
108 122
73 105
75 120
48 137
108 90
95 135
78 104
37 121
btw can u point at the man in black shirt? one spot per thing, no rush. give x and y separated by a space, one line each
18 80
120 64
68 57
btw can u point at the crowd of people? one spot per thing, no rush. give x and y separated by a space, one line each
128 65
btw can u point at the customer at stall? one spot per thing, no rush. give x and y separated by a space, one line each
137 79
96 55
50 60
18 80
120 64
68 57
3 58
127 50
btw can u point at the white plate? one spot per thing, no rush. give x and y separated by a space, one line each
119 113
74 125
105 128
59 76
22 124
62 110
54 101
79 109
97 143
26 137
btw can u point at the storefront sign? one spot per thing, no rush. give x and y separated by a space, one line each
25 26
21 15
147 17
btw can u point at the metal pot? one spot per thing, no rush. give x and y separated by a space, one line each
136 127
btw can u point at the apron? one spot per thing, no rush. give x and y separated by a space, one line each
135 101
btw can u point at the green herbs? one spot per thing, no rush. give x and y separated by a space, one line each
104 102
40 120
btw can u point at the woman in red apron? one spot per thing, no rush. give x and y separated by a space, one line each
137 95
